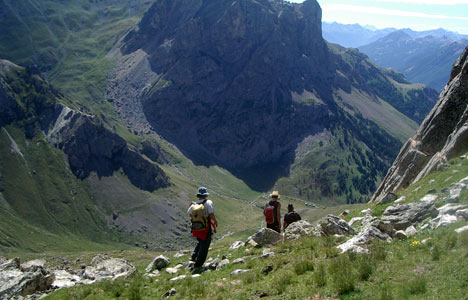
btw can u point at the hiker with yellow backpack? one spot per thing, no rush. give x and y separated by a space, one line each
203 221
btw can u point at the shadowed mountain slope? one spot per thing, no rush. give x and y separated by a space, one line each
242 83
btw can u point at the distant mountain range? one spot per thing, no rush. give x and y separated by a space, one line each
422 56
355 35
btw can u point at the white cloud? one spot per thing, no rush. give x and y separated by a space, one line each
427 2
386 12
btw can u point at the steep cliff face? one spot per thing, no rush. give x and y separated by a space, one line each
243 83
443 135
89 146
230 66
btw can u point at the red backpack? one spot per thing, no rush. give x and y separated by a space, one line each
269 213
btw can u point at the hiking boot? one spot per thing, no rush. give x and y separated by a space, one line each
198 270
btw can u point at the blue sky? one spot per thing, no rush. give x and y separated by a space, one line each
414 14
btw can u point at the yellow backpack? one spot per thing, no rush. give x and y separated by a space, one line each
199 218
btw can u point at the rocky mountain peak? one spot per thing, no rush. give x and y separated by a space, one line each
241 83
442 136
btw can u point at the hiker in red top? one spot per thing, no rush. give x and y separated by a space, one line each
272 212
203 223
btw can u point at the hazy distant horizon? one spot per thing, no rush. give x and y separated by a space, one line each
418 15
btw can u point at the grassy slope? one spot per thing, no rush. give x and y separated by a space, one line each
44 205
310 268
68 41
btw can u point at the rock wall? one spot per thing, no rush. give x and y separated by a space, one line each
89 145
443 135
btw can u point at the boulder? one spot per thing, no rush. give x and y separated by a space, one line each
454 195
443 220
388 198
300 228
103 267
354 220
384 226
410 231
223 263
237 245
178 278
463 213
159 262
464 180
170 293
212 265
267 253
401 235
403 216
429 198
64 279
172 270
239 271
451 209
33 265
238 261
350 247
253 243
461 229
401 199
334 225
266 236
15 283
10 264
366 235
367 211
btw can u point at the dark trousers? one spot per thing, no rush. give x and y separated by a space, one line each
201 251
275 227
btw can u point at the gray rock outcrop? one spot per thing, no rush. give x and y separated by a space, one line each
300 228
265 236
14 282
158 263
236 245
405 215
334 225
367 234
442 136
104 267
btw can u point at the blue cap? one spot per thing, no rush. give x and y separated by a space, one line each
202 191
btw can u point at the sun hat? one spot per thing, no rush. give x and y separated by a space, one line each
275 194
202 191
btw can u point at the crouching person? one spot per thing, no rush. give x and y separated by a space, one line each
203 223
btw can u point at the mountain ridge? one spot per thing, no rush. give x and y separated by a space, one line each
200 74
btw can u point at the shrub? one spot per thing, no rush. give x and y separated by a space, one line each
378 252
435 253
331 252
320 276
418 285
303 266
385 293
451 240
365 267
283 280
342 276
